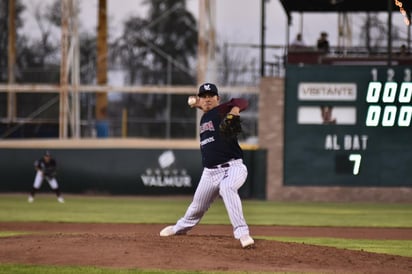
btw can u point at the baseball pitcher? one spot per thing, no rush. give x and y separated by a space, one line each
223 169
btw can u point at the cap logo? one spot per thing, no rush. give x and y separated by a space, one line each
207 87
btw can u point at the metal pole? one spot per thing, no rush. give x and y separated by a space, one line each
211 54
124 122
169 99
287 33
202 49
63 70
389 32
201 53
75 72
262 41
11 98
409 35
101 96
206 42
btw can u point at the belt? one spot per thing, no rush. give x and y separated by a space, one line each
224 165
220 166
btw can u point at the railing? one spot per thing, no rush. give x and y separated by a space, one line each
347 56
125 119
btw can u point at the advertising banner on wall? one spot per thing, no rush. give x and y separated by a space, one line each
123 171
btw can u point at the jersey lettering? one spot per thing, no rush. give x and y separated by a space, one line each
207 140
208 126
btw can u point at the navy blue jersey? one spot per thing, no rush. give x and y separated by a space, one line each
48 168
214 148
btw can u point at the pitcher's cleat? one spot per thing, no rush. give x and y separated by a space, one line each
30 199
246 241
167 231
60 200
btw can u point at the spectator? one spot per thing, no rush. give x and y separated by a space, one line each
403 51
323 43
298 42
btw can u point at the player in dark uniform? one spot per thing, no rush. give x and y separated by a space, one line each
223 173
46 169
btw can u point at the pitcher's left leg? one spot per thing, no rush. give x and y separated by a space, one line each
234 178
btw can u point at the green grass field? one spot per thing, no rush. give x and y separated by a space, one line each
99 209
117 209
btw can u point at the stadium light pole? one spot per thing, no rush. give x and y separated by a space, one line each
389 32
11 96
63 69
102 49
262 38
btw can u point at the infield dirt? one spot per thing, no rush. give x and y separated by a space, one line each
206 247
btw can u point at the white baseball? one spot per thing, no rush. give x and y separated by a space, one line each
191 100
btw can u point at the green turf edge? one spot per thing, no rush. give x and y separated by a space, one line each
97 209
12 233
33 269
391 247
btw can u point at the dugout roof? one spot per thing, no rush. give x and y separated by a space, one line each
344 6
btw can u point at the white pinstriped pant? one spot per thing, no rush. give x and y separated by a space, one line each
38 180
214 182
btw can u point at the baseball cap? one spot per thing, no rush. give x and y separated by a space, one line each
207 88
47 153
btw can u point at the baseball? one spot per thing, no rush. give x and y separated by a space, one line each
191 100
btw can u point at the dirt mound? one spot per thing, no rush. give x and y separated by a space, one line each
207 247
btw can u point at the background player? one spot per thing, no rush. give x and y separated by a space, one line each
223 173
46 169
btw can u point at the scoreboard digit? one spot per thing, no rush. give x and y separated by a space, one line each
387 115
348 126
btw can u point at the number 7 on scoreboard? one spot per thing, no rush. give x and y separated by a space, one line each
356 159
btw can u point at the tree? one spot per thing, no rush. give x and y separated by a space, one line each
172 30
88 57
166 39
131 52
158 50
38 59
236 66
4 26
374 33
87 41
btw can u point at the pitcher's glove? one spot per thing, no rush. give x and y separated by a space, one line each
230 126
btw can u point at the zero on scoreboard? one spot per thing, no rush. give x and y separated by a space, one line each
348 126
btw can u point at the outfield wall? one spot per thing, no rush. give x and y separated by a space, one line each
265 162
121 167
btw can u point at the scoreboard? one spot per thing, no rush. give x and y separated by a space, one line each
348 126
